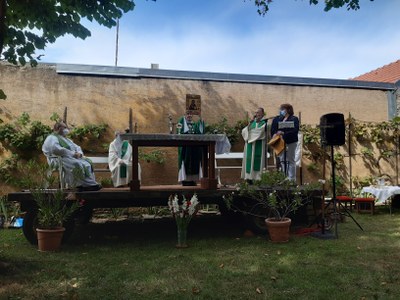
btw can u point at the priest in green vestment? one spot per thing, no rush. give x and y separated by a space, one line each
78 169
189 157
254 136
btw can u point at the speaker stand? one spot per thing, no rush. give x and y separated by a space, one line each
336 212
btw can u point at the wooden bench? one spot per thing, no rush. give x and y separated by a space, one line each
99 160
366 204
227 157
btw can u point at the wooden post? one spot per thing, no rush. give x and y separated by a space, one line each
65 115
301 154
350 154
135 183
130 121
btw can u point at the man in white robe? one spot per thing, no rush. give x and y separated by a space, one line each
78 170
254 148
120 161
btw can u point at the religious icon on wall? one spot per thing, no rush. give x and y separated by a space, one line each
193 104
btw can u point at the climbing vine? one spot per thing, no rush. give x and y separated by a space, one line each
233 132
374 141
23 139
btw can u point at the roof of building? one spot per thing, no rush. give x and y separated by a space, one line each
111 71
388 73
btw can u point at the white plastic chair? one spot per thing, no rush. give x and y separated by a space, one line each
55 165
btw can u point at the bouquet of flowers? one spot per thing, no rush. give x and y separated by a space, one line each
183 211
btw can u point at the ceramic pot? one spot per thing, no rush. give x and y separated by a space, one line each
278 229
49 239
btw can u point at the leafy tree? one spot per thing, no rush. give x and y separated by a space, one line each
263 5
28 25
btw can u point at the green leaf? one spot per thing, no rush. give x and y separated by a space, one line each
3 96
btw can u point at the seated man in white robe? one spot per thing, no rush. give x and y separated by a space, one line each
120 161
78 170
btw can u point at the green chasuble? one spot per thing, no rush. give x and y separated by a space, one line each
189 155
63 144
122 168
257 151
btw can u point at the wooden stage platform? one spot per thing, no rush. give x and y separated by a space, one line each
147 196
156 195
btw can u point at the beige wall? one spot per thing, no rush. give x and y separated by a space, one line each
91 99
41 91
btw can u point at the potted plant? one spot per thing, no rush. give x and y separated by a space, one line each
272 198
53 209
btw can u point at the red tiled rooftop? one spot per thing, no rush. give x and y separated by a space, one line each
388 73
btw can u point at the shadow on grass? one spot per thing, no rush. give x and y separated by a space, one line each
159 230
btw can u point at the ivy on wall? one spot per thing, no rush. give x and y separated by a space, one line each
375 142
24 138
233 132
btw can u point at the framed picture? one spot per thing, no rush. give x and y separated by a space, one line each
193 104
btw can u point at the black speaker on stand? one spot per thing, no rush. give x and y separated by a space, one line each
332 129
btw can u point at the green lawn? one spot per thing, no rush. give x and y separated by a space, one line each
138 260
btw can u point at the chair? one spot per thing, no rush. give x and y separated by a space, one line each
56 167
346 201
365 204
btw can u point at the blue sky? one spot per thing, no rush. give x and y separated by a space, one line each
293 39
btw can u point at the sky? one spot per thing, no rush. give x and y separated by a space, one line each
228 36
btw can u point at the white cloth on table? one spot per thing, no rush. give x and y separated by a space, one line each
222 145
382 194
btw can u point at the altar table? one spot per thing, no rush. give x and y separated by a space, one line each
211 143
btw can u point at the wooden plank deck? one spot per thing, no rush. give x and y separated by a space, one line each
156 195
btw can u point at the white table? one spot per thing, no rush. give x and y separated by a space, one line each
382 193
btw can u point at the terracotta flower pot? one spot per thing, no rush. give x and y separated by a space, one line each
49 239
278 229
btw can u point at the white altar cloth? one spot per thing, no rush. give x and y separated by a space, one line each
381 193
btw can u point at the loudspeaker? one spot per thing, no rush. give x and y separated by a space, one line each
332 129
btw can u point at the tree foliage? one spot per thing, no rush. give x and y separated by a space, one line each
29 25
263 5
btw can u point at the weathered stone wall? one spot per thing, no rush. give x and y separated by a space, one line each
93 99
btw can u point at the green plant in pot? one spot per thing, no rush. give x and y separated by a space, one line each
273 199
53 210
52 206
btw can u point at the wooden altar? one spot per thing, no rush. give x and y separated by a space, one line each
206 141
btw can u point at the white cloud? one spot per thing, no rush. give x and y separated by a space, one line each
285 47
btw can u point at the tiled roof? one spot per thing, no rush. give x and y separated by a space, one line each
388 73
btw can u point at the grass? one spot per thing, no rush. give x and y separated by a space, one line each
138 260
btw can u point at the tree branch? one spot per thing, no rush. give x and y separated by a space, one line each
3 7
